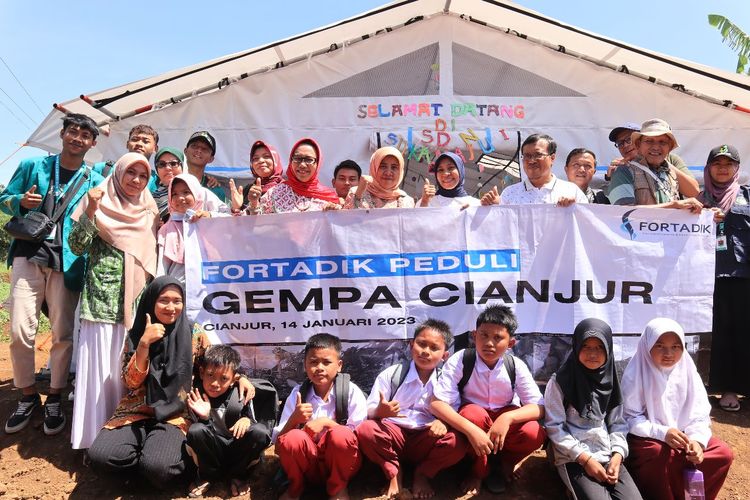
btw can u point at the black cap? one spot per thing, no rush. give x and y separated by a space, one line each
723 150
203 135
633 127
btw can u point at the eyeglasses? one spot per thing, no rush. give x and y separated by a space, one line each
534 157
257 159
624 142
169 164
307 160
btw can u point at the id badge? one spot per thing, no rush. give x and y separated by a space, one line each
51 235
721 243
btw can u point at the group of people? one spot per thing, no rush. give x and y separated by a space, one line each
115 260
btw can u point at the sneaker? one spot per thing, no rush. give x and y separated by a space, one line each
22 415
54 418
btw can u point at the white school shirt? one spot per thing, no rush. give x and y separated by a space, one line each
524 193
357 407
413 397
490 389
440 201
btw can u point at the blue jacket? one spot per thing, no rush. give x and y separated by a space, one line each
39 172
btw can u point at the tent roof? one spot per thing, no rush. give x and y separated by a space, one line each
158 91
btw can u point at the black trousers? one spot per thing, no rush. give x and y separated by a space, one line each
219 456
730 341
152 449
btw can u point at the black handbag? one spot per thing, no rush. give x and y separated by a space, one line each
36 226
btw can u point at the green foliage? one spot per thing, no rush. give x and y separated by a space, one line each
4 238
733 36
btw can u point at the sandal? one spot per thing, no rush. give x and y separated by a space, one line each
199 488
239 487
729 403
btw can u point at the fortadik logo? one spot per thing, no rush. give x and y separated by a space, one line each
629 226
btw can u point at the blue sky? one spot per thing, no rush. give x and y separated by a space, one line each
60 50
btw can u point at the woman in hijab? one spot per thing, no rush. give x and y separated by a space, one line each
380 189
667 411
730 344
116 225
146 432
450 173
584 419
265 163
301 191
185 193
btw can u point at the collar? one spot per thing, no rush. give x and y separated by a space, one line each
528 186
413 375
481 366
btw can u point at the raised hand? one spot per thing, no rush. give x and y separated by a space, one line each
235 195
255 193
153 331
31 199
387 408
491 197
302 411
364 181
428 191
199 404
95 196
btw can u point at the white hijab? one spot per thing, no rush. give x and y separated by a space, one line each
665 397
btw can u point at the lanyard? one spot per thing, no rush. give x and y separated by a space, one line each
60 190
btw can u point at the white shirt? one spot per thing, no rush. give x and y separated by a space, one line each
490 389
413 397
457 202
524 193
357 407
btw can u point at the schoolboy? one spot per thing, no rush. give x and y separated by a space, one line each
199 152
345 176
401 425
225 438
142 139
47 271
313 440
486 409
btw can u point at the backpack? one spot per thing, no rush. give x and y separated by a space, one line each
341 388
470 359
400 373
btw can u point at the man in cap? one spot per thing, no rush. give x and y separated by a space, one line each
199 152
648 178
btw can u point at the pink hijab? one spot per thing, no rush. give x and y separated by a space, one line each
170 235
375 188
128 224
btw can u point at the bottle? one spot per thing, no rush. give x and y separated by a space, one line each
693 479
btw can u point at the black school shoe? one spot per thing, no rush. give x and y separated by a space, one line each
54 418
495 482
20 418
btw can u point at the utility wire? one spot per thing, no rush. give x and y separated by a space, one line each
19 107
21 85
15 115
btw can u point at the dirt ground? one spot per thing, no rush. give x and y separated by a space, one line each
33 465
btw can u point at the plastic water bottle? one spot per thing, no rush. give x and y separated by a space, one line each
693 479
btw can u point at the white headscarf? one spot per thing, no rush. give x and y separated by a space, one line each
656 399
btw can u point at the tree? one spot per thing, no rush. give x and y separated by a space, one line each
733 36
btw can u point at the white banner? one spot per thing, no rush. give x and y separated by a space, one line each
374 275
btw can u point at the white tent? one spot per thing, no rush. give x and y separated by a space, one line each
424 75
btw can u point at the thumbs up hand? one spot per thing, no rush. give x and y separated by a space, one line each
255 193
428 191
302 411
491 197
153 332
387 408
95 196
31 199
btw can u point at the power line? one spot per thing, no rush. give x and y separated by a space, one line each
14 115
19 107
21 85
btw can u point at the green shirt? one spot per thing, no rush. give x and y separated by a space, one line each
104 285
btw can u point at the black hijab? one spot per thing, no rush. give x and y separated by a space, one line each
170 359
593 393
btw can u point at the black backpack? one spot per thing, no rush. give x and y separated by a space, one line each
470 359
341 388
